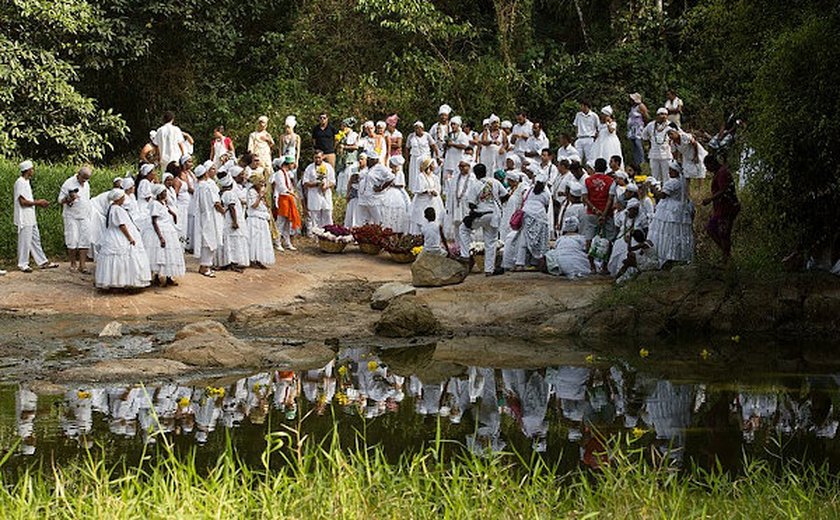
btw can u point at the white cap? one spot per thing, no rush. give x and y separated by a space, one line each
26 165
662 111
456 120
200 171
507 124
445 109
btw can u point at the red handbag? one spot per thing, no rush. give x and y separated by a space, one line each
518 215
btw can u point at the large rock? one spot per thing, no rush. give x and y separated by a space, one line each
388 292
406 318
430 270
133 369
260 312
209 344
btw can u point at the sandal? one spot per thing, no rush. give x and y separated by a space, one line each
208 274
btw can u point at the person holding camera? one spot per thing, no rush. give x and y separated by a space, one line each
74 198
29 238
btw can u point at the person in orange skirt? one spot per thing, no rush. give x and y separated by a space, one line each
285 207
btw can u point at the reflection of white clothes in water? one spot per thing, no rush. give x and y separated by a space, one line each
569 385
669 410
26 403
459 390
429 401
476 379
534 406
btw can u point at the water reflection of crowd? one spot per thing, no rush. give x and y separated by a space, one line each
589 403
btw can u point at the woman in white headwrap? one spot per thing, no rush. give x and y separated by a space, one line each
627 221
492 143
456 142
162 240
209 221
419 146
530 243
121 260
670 230
426 195
569 255
261 251
235 252
290 141
516 188
351 212
607 143
396 203
98 209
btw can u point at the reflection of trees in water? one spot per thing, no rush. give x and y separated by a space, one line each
488 409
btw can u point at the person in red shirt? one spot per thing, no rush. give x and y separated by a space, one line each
725 206
597 198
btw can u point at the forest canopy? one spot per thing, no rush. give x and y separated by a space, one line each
87 79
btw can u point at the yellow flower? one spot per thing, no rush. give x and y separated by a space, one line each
184 402
257 387
417 250
590 358
342 370
644 352
372 365
638 432
735 339
342 399
82 394
705 354
215 391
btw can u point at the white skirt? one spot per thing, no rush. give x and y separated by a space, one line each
234 248
350 214
259 241
418 207
617 257
673 241
165 261
126 269
393 210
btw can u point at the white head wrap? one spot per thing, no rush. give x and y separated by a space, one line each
166 176
115 195
486 122
26 165
184 158
632 203
380 124
456 120
234 171
291 122
157 189
127 183
420 124
621 174
146 169
662 111
507 124
226 181
200 171
152 135
570 223
517 162
397 160
445 109
262 119
117 180
368 124
632 188
207 165
493 118
607 110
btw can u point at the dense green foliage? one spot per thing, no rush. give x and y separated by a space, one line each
69 67
327 482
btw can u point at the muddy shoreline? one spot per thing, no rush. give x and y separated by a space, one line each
298 313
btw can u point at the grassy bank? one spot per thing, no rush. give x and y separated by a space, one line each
315 482
45 185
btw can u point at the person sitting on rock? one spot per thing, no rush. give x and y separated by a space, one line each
433 234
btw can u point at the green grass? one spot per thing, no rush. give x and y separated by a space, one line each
45 185
299 478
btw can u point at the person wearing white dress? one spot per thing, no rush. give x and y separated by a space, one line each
517 185
456 143
319 181
74 198
626 221
660 154
530 243
351 211
350 147
260 143
440 131
586 126
519 134
234 252
671 229
402 204
98 208
493 145
691 154
209 221
569 256
170 141
426 195
288 217
184 190
259 230
675 107
29 237
456 198
367 209
162 240
419 145
122 261
146 177
607 143
393 213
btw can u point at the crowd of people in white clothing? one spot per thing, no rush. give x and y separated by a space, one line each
574 210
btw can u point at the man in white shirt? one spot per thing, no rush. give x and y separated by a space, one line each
566 150
440 131
485 198
586 124
675 107
522 131
660 154
74 198
29 238
319 181
170 141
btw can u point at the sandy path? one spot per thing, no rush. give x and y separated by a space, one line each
296 273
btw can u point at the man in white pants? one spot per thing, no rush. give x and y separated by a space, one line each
74 198
586 125
485 198
660 154
319 181
29 238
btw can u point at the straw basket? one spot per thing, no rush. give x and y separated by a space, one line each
370 249
402 258
331 247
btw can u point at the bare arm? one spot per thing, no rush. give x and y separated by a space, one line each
125 232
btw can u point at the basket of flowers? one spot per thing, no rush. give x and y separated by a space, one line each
401 247
370 238
333 239
477 252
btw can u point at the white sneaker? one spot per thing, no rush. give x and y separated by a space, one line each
2 272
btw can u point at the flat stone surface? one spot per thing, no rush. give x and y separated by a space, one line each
388 292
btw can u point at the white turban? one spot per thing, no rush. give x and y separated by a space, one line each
152 135
517 162
115 195
632 203
127 183
146 169
570 223
397 160
26 165
368 124
494 118
200 171
420 124
632 187
117 180
291 121
184 158
486 122
262 119
157 189
166 176
226 181
456 120
607 110
507 124
445 109
575 189
662 111
207 165
380 124
234 171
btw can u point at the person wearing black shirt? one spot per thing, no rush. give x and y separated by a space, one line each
323 138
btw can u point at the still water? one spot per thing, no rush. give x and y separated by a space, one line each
560 411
